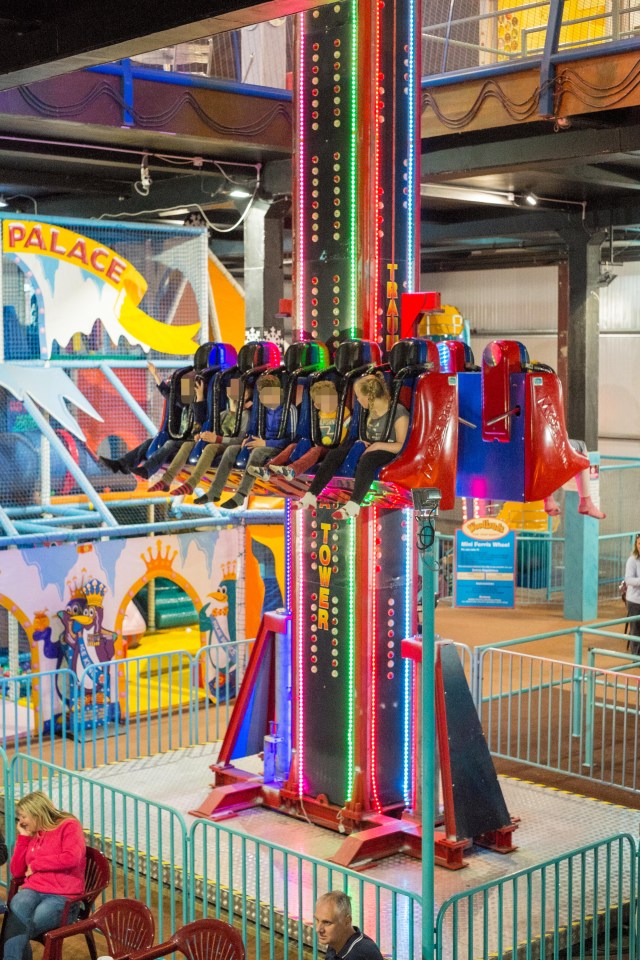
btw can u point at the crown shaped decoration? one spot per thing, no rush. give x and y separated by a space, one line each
94 591
229 570
76 590
159 562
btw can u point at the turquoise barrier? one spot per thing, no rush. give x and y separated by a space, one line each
139 706
587 898
146 842
268 890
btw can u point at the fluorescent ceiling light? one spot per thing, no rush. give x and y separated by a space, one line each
238 192
175 212
3 201
447 191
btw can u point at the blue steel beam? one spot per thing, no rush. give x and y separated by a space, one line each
250 518
130 401
190 80
6 523
546 105
73 468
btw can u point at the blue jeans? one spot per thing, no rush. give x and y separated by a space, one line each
30 915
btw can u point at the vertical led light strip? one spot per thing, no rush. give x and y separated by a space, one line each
288 585
300 317
377 113
351 646
373 694
301 181
300 648
353 175
413 100
409 733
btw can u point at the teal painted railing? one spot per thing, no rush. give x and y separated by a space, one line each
570 718
160 702
585 899
9 826
146 841
24 703
268 890
238 877
216 870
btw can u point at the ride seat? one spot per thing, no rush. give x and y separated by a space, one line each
500 359
456 356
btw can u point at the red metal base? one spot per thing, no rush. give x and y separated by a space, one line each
229 798
387 837
500 840
449 853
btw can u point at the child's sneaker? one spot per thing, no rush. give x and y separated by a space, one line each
262 473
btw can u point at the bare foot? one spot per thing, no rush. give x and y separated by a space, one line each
552 507
589 509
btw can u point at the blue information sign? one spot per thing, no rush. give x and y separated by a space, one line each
485 564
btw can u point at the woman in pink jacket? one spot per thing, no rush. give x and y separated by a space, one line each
50 854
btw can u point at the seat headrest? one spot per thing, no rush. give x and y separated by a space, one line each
412 351
222 355
456 356
511 352
258 353
201 356
352 354
306 354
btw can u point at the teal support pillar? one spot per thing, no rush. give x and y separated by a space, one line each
580 562
426 503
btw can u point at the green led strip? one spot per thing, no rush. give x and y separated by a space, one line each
353 172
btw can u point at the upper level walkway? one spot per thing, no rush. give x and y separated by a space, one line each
484 64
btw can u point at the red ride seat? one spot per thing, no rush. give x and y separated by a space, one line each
430 453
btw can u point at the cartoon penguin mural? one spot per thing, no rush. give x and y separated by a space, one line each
82 642
218 621
71 618
85 643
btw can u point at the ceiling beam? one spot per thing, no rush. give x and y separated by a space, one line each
499 156
57 38
598 174
519 225
180 191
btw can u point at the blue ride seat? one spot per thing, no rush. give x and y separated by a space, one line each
172 425
301 360
252 359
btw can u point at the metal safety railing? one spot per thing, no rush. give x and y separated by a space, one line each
586 903
461 38
136 707
26 703
145 841
586 898
571 718
270 890
7 792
